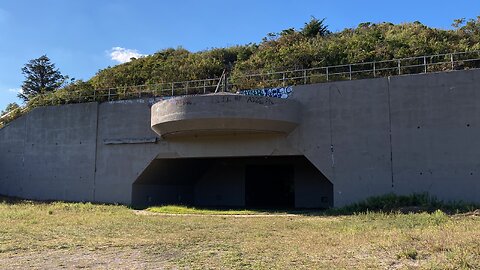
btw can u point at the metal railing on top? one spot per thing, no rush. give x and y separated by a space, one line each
373 69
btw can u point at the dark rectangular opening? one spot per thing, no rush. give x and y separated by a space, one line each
261 182
269 186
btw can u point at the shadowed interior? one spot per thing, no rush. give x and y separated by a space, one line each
234 182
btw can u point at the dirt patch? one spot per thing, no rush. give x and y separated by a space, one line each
109 258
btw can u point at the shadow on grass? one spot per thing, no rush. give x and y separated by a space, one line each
414 203
389 203
15 200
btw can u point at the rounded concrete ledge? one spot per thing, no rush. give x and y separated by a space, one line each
224 114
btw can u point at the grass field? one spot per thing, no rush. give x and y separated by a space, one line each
178 209
76 235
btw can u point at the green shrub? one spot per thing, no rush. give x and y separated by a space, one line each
418 202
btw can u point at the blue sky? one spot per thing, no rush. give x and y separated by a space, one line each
83 36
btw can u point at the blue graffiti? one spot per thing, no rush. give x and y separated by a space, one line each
279 92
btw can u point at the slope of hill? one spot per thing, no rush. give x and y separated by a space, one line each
312 46
292 49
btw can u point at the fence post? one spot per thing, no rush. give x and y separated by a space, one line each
283 79
374 71
451 60
424 64
399 68
327 73
172 89
186 88
350 71
305 76
204 86
109 90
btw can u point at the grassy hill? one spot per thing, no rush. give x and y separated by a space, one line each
295 49
311 46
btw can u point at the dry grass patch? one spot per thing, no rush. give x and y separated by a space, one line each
100 236
180 209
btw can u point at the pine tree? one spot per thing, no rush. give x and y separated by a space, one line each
315 28
41 76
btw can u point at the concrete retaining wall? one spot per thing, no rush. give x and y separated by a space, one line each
121 154
435 134
346 136
404 134
49 154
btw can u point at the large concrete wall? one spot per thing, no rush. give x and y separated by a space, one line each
345 133
405 134
125 147
435 134
412 133
49 154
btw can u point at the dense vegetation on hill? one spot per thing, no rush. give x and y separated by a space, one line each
311 46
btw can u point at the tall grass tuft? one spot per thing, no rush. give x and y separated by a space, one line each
418 202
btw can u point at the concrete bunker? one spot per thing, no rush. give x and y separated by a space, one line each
235 182
224 114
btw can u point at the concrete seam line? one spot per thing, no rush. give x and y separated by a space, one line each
390 129
96 150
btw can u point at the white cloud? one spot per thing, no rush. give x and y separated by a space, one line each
123 55
15 90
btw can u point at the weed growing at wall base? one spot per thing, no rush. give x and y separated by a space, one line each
416 203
